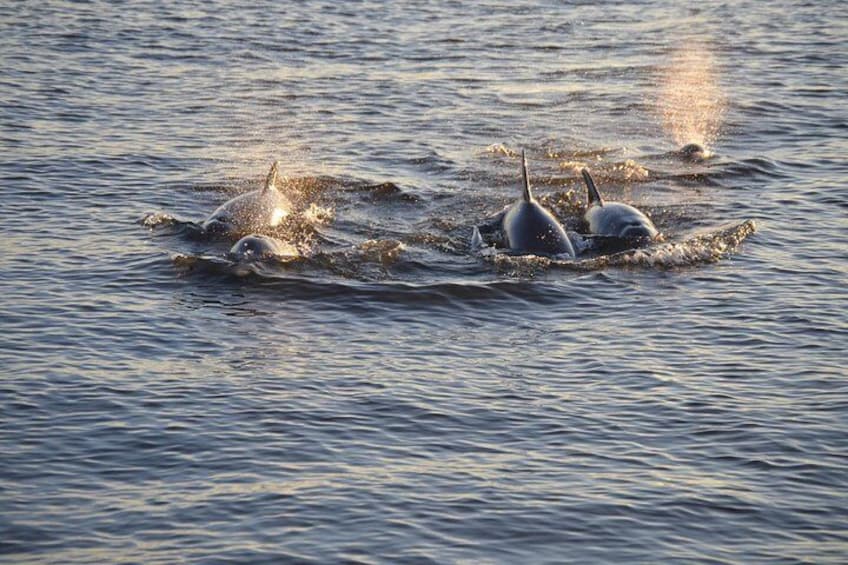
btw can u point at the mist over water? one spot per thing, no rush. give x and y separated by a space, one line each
691 102
384 392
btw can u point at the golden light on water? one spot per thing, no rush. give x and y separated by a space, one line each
691 101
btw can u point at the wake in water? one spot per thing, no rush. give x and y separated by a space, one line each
697 249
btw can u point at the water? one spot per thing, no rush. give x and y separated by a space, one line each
393 395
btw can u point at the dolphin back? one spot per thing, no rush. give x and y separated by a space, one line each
529 228
593 195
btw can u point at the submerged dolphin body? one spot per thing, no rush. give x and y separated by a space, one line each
527 227
615 219
251 211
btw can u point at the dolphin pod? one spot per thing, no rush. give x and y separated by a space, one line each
527 227
524 227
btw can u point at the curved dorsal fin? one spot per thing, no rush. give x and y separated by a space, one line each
271 181
526 195
594 195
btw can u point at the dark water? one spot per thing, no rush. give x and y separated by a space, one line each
394 395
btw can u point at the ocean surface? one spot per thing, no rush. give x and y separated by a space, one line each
390 393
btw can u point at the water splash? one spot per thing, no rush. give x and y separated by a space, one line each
318 215
501 150
383 251
155 219
691 101
622 171
697 249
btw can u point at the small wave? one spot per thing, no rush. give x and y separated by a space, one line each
502 150
444 243
383 251
318 215
698 249
622 171
265 267
552 150
369 260
557 153
366 261
160 220
155 219
383 191
754 167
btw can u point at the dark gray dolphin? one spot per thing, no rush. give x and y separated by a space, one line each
529 228
251 211
615 219
255 247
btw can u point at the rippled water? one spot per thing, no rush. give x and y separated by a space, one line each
392 394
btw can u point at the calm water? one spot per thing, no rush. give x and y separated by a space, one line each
393 395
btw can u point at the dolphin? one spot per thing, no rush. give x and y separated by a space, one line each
251 211
256 247
615 219
694 152
527 227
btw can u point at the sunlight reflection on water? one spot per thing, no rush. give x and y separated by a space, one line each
692 103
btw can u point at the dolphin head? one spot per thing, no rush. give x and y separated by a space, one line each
221 222
254 247
694 152
638 231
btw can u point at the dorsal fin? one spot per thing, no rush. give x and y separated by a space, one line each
594 195
271 181
526 195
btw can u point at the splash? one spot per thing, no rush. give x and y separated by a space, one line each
318 215
698 249
622 171
383 251
630 170
501 150
691 102
155 219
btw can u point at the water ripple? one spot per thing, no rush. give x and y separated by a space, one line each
392 396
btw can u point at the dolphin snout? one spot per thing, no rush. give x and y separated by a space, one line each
637 232
694 152
216 227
